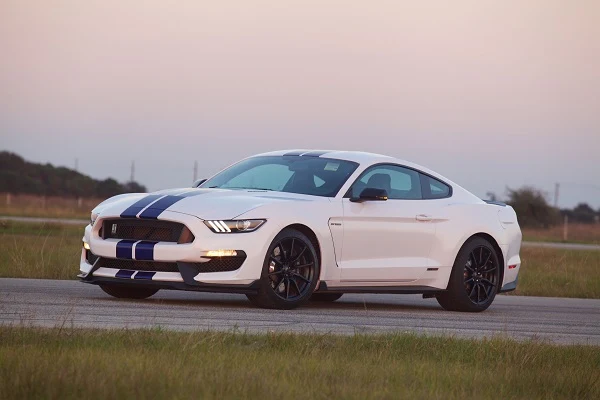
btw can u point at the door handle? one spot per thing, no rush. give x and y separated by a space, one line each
424 217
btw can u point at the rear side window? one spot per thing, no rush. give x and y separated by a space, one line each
434 189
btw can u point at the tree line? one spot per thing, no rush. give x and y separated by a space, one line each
533 210
19 176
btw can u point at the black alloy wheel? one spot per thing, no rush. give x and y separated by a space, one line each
290 272
475 278
480 275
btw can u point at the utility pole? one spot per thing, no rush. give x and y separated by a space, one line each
556 192
195 171
132 178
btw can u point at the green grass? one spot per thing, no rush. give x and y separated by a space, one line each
55 363
559 273
46 251
52 251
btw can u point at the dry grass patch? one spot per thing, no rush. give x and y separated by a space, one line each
577 233
559 273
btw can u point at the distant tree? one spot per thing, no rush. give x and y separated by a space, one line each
134 187
583 213
532 208
20 176
492 196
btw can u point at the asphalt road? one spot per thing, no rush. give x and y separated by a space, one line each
52 303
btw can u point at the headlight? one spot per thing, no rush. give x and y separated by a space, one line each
93 218
235 226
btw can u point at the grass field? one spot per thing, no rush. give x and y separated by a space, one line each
52 251
71 363
577 233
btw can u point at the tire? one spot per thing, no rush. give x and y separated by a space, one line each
474 280
326 297
290 272
128 292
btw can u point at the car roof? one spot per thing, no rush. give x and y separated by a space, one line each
360 157
356 156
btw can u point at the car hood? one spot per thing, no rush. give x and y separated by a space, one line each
202 203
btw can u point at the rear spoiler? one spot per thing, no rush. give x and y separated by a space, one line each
496 203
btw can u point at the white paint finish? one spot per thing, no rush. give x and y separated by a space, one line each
371 243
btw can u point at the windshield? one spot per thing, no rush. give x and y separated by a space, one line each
293 174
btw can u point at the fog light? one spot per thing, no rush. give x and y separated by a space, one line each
221 253
86 246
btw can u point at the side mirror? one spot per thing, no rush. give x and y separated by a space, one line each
371 194
198 183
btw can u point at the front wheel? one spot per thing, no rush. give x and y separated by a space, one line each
290 272
474 279
128 292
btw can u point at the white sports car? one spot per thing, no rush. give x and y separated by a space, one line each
290 226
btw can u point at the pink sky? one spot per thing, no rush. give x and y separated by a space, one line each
489 93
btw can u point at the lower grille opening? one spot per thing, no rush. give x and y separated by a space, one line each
223 264
135 265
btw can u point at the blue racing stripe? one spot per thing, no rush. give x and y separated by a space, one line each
125 249
294 153
144 251
139 205
146 275
158 207
124 274
315 153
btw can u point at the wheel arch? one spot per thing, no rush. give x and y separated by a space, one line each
311 235
496 247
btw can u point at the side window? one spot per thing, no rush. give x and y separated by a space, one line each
434 189
398 182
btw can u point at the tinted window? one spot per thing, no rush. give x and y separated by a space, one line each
306 175
398 182
434 189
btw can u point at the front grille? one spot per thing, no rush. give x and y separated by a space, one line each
221 264
139 265
158 231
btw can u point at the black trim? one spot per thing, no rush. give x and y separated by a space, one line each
495 203
323 288
349 193
197 287
509 287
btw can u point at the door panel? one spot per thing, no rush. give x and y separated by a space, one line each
384 240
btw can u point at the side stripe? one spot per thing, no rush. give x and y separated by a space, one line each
125 249
133 210
144 251
146 275
124 274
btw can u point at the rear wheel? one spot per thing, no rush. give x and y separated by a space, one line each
474 280
290 272
128 292
325 297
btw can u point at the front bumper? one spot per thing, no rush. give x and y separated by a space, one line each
187 256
